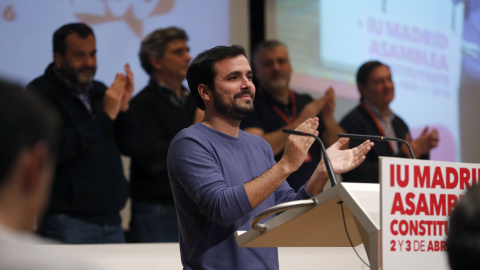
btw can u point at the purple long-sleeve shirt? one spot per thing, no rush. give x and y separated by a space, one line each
207 170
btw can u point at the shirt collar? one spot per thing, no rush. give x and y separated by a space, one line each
168 92
271 99
376 111
165 87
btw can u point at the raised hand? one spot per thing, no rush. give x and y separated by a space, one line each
312 109
342 161
424 143
112 100
347 160
329 107
296 148
129 88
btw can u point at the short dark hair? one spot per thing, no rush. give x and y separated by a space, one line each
154 44
202 68
364 71
25 121
266 45
60 36
463 241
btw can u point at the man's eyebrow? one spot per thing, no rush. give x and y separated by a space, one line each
181 49
237 72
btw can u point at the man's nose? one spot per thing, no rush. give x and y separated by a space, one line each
247 83
90 60
276 65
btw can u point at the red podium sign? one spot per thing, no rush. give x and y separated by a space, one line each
417 197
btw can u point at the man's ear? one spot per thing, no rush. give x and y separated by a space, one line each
156 62
36 167
58 59
205 92
361 89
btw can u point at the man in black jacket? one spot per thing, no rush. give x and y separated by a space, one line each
162 108
373 116
89 187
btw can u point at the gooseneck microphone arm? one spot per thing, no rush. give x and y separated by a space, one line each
376 138
328 164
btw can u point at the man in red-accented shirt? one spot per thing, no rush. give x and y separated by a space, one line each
278 107
373 116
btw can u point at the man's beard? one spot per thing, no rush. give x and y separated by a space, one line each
233 111
76 76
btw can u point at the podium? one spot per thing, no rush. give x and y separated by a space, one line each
319 221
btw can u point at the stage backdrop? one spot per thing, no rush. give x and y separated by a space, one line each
27 27
423 42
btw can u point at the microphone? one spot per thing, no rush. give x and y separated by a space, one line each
376 138
328 164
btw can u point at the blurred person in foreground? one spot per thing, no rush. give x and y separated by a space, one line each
463 241
28 145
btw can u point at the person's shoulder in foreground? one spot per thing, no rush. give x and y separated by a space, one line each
27 159
463 241
22 251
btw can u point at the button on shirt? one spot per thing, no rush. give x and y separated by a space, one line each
172 97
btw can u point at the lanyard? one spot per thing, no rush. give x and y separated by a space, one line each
293 109
375 120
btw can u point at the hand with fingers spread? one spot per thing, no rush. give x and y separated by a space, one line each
342 161
112 100
347 160
129 88
296 149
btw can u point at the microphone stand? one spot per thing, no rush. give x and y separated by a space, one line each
376 138
328 164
